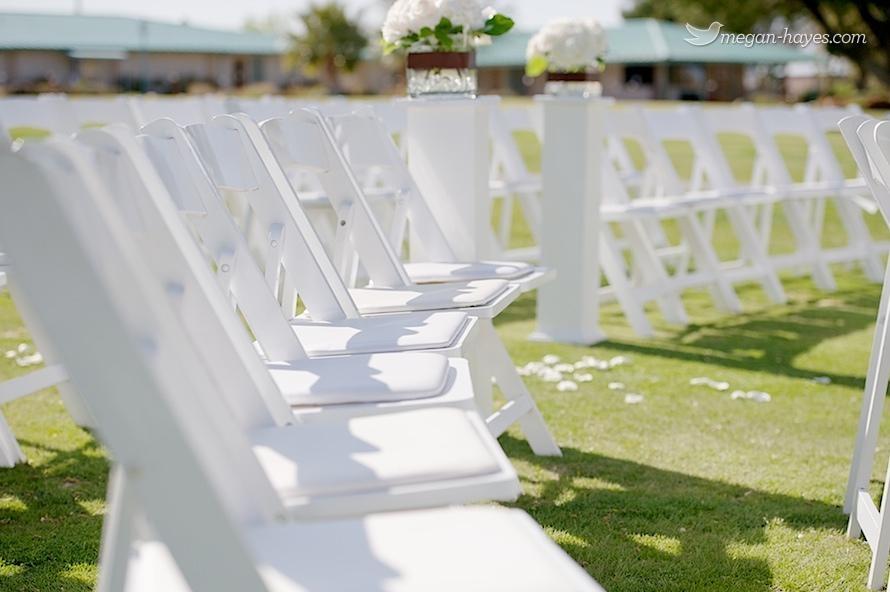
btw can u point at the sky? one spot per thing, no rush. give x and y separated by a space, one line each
529 14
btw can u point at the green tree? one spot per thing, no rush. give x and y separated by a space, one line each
870 17
330 42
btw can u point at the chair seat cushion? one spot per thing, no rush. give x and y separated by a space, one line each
481 549
373 453
395 333
428 296
367 378
433 273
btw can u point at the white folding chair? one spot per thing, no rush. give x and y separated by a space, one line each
358 145
346 385
660 194
237 155
712 177
770 173
823 182
198 502
869 142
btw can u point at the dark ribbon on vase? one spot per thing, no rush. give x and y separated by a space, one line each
442 60
571 76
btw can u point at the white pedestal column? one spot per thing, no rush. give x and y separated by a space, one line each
449 155
568 308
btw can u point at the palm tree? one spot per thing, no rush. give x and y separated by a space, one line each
330 42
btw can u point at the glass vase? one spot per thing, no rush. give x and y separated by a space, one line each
573 84
442 74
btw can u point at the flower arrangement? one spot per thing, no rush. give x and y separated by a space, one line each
566 45
441 25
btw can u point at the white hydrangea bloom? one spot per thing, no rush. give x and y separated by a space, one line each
410 16
569 44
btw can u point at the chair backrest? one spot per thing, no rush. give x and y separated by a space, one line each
854 128
98 111
184 110
203 209
124 351
393 115
507 160
687 125
824 121
173 256
47 114
262 108
627 124
234 152
304 141
876 138
769 166
828 118
821 163
366 143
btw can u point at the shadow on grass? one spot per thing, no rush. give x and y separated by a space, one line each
767 339
637 528
50 518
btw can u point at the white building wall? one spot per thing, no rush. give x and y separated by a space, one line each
29 66
22 67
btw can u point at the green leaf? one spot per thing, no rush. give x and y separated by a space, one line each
536 66
497 25
426 32
445 25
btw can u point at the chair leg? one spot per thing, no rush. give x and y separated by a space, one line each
702 252
117 533
669 300
751 247
808 242
520 406
860 237
616 273
872 406
880 548
10 453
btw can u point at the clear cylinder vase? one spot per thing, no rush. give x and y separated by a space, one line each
442 74
573 84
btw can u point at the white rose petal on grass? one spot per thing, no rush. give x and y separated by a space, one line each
23 347
756 396
566 386
633 398
32 360
617 386
822 380
705 381
564 367
10 354
551 359
582 377
550 375
618 361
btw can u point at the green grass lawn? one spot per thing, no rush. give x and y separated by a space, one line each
688 490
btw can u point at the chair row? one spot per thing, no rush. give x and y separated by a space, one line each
350 407
645 186
641 196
